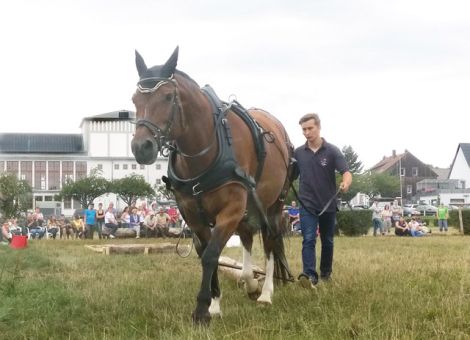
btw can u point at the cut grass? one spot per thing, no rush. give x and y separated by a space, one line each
382 288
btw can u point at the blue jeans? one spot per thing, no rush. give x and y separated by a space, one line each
309 223
442 225
377 224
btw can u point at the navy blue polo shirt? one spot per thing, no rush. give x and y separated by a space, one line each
317 175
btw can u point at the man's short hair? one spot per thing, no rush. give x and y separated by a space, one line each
310 116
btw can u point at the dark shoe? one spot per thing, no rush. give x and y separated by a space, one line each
306 282
325 278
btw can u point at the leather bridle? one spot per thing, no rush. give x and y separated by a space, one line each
162 136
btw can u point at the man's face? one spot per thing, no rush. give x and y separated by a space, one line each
310 130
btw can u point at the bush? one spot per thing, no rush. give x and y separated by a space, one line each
454 220
354 222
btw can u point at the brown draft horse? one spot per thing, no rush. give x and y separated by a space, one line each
175 115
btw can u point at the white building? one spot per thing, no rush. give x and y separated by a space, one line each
46 161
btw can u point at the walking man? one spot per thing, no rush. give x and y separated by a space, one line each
318 162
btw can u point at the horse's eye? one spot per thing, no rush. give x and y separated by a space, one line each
169 97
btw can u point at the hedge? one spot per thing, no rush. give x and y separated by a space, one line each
454 220
354 222
359 222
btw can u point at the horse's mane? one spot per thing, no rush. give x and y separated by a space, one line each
184 75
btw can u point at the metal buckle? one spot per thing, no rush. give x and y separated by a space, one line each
195 190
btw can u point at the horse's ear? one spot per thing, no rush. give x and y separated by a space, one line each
140 63
170 66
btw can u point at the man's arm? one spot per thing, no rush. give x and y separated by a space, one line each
346 182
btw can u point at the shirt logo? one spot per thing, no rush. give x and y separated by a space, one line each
324 162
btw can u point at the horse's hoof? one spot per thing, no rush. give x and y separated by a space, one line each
202 319
264 300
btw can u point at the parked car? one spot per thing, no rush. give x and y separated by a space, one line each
410 210
426 209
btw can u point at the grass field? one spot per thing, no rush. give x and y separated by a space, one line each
383 288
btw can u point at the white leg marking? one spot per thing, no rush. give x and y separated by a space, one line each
214 308
268 287
251 285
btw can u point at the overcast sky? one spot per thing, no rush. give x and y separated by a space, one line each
383 75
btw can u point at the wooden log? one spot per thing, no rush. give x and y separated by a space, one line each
108 249
233 268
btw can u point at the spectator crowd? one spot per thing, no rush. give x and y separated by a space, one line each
138 221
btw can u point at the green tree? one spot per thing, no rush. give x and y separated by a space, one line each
382 184
86 189
164 192
359 184
15 195
132 187
352 158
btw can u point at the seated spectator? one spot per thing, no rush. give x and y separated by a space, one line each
153 208
5 234
110 222
294 217
134 222
52 226
35 223
173 213
78 226
150 225
125 218
64 227
163 222
415 228
401 227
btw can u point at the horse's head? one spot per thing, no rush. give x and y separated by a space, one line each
157 106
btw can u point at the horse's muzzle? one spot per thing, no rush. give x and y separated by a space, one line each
144 150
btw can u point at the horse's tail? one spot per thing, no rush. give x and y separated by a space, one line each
282 273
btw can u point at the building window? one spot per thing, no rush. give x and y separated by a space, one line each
134 166
48 198
12 167
80 170
27 172
76 204
124 167
67 203
409 189
67 171
158 166
402 172
53 170
116 166
40 175
142 167
100 166
38 198
414 171
2 166
159 181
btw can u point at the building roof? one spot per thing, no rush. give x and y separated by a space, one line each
41 143
387 162
466 151
113 115
465 147
442 173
